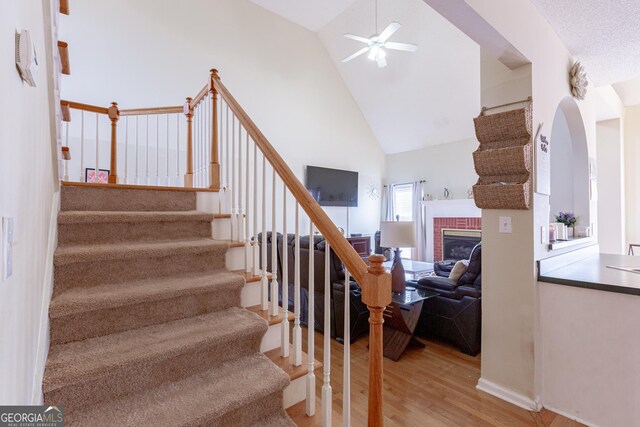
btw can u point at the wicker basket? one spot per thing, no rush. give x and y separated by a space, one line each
504 161
503 192
506 126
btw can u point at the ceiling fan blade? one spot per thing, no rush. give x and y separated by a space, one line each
355 55
407 47
357 38
382 61
388 32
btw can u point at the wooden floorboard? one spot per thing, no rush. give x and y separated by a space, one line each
431 386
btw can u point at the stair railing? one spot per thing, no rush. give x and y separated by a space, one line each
189 143
263 163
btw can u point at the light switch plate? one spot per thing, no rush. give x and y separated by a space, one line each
505 225
7 248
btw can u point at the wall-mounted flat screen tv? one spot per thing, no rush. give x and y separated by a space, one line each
333 187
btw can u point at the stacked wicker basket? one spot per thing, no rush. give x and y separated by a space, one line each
504 159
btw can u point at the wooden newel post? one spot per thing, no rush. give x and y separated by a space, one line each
214 167
114 115
188 176
376 294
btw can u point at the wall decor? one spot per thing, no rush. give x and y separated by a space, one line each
373 190
102 178
543 162
579 82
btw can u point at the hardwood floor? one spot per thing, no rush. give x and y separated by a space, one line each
431 386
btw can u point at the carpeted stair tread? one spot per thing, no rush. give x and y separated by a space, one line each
80 300
85 217
122 251
207 398
80 361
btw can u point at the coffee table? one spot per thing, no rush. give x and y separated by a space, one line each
414 268
401 319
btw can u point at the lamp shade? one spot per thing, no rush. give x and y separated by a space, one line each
397 234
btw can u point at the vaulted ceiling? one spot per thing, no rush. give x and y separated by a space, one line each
424 98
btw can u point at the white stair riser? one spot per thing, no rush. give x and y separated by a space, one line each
221 228
251 294
208 202
271 339
295 392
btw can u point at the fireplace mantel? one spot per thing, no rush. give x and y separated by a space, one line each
462 208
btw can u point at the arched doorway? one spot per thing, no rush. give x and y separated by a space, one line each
570 163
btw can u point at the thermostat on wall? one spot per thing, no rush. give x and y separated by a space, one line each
26 59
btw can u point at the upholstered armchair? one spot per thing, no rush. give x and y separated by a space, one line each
455 315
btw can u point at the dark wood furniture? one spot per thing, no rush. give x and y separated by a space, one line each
400 321
362 245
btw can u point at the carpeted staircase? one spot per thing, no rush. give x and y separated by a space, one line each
146 323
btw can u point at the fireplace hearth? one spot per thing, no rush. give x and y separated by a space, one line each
458 244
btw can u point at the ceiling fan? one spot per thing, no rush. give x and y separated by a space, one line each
377 43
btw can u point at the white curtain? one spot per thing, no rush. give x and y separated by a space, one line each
387 203
419 217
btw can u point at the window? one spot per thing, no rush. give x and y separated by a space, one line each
403 209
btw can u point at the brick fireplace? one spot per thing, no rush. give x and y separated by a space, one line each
440 224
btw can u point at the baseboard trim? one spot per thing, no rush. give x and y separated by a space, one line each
47 289
508 395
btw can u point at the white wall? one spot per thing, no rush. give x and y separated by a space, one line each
611 198
28 181
586 373
442 166
153 53
632 175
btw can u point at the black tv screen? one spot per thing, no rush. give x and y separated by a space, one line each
333 187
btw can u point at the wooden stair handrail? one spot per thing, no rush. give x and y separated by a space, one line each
353 262
151 111
373 280
85 107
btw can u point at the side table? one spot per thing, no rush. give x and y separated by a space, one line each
400 321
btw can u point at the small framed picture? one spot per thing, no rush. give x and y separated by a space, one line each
101 178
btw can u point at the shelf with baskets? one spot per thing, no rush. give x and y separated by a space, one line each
504 161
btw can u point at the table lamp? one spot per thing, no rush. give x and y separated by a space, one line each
397 234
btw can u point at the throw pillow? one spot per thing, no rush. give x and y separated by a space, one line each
458 270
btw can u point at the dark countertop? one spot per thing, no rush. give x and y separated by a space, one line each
593 273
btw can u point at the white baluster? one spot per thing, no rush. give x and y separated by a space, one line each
240 211
228 167
346 371
285 278
66 162
168 180
274 250
178 150
137 146
247 241
196 145
311 377
157 149
96 177
297 330
234 187
126 150
254 253
82 175
146 179
265 280
326 386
